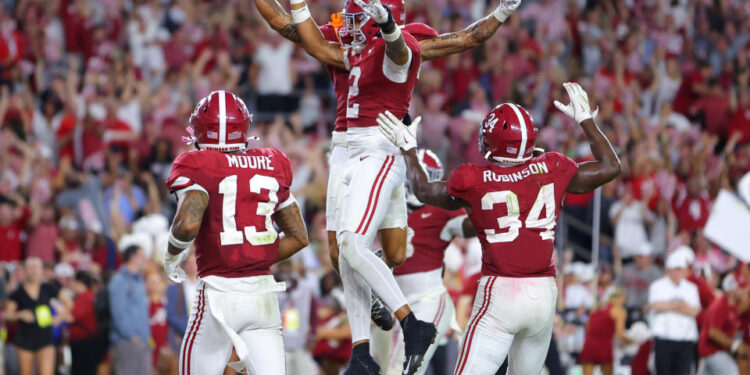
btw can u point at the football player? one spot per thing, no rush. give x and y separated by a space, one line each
421 276
229 198
391 235
513 202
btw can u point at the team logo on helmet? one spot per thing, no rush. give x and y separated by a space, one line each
489 123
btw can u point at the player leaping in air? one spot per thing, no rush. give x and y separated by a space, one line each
383 63
228 199
513 203
392 235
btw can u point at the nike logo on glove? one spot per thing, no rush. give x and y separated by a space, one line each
363 157
425 216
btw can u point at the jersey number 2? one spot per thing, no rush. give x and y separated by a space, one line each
545 199
352 109
232 236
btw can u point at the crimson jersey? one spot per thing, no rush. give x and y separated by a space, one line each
340 78
515 211
428 240
236 237
370 91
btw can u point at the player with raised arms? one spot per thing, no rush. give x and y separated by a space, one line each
228 199
391 233
513 202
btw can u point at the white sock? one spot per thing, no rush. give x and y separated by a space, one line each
357 298
355 250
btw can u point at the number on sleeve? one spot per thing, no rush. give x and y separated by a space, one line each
232 236
352 109
545 199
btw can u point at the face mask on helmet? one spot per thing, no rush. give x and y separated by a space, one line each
351 33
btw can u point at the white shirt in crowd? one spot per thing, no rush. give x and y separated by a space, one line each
630 229
669 325
578 295
274 65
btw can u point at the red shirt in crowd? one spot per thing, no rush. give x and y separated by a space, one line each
705 293
10 238
685 96
692 212
84 317
741 123
722 316
157 313
716 115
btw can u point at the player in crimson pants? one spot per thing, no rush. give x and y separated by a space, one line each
229 198
514 202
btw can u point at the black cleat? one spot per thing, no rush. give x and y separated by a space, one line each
380 314
418 336
361 362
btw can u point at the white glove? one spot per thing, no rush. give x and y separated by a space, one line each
505 9
579 108
404 137
172 266
374 9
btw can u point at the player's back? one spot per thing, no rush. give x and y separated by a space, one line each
514 210
236 237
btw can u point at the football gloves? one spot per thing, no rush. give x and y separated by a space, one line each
505 9
375 10
172 268
404 137
579 108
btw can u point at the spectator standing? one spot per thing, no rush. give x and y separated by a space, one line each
298 319
273 73
30 305
636 278
83 327
674 303
630 216
163 356
128 301
720 337
604 325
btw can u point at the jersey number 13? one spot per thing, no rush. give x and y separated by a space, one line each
232 236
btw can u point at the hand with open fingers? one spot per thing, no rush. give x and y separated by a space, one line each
374 9
172 268
579 108
404 137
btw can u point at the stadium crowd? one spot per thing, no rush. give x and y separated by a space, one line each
95 97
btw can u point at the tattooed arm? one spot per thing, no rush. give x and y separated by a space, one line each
312 40
470 37
295 238
278 19
187 221
459 41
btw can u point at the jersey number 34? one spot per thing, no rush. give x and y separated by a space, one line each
232 236
545 199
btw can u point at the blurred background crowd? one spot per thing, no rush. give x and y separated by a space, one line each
95 96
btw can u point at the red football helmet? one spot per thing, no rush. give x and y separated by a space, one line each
507 134
359 29
220 122
432 166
